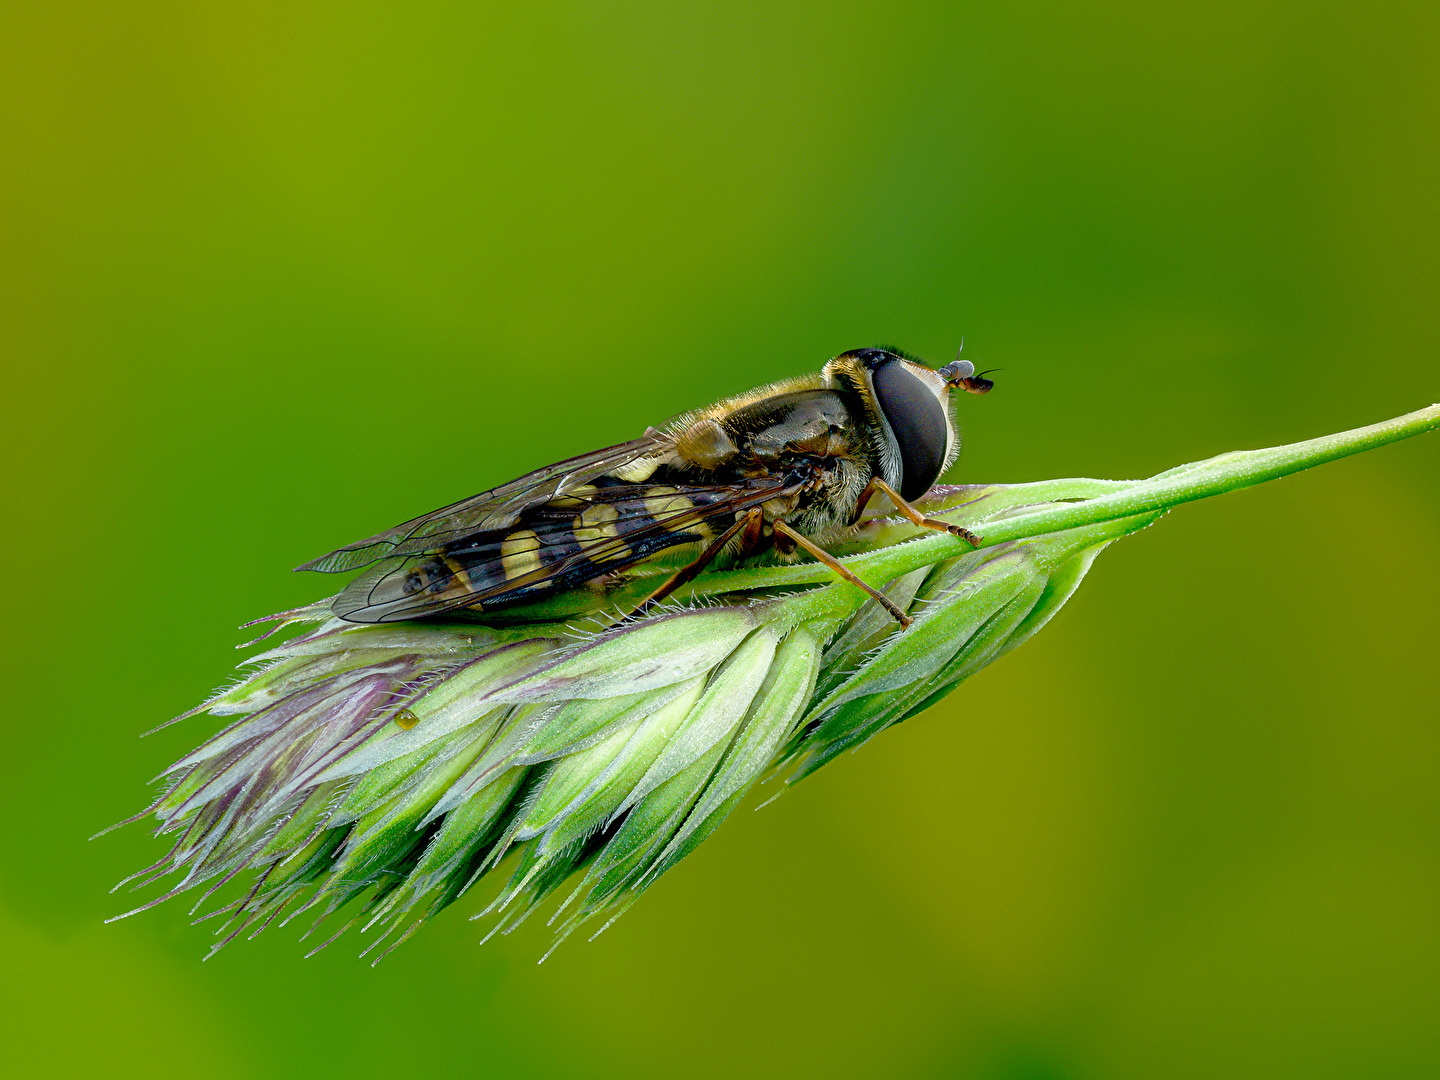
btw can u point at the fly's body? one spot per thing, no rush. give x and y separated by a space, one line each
785 466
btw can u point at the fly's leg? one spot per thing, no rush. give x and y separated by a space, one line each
834 564
754 533
917 518
752 521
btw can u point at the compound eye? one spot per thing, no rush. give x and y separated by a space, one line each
919 423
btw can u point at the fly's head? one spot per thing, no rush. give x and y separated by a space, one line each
908 405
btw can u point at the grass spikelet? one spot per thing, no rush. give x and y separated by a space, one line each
386 770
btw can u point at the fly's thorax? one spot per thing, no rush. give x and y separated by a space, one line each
800 423
828 510
819 439
766 431
705 444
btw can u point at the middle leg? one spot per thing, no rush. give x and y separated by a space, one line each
840 568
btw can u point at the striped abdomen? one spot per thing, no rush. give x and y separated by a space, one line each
590 531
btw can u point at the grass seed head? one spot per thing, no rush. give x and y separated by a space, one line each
380 773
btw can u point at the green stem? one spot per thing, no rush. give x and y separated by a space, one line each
1199 480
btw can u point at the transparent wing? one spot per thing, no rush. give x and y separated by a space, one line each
550 547
490 510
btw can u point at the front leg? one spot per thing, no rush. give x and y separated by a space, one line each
916 517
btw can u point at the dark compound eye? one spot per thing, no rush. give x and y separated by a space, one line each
918 420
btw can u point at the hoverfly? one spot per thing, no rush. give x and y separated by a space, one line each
788 466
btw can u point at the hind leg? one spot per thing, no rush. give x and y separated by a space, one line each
752 523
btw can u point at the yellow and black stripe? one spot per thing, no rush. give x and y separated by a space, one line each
590 531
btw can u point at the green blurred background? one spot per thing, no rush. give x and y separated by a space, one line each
274 276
